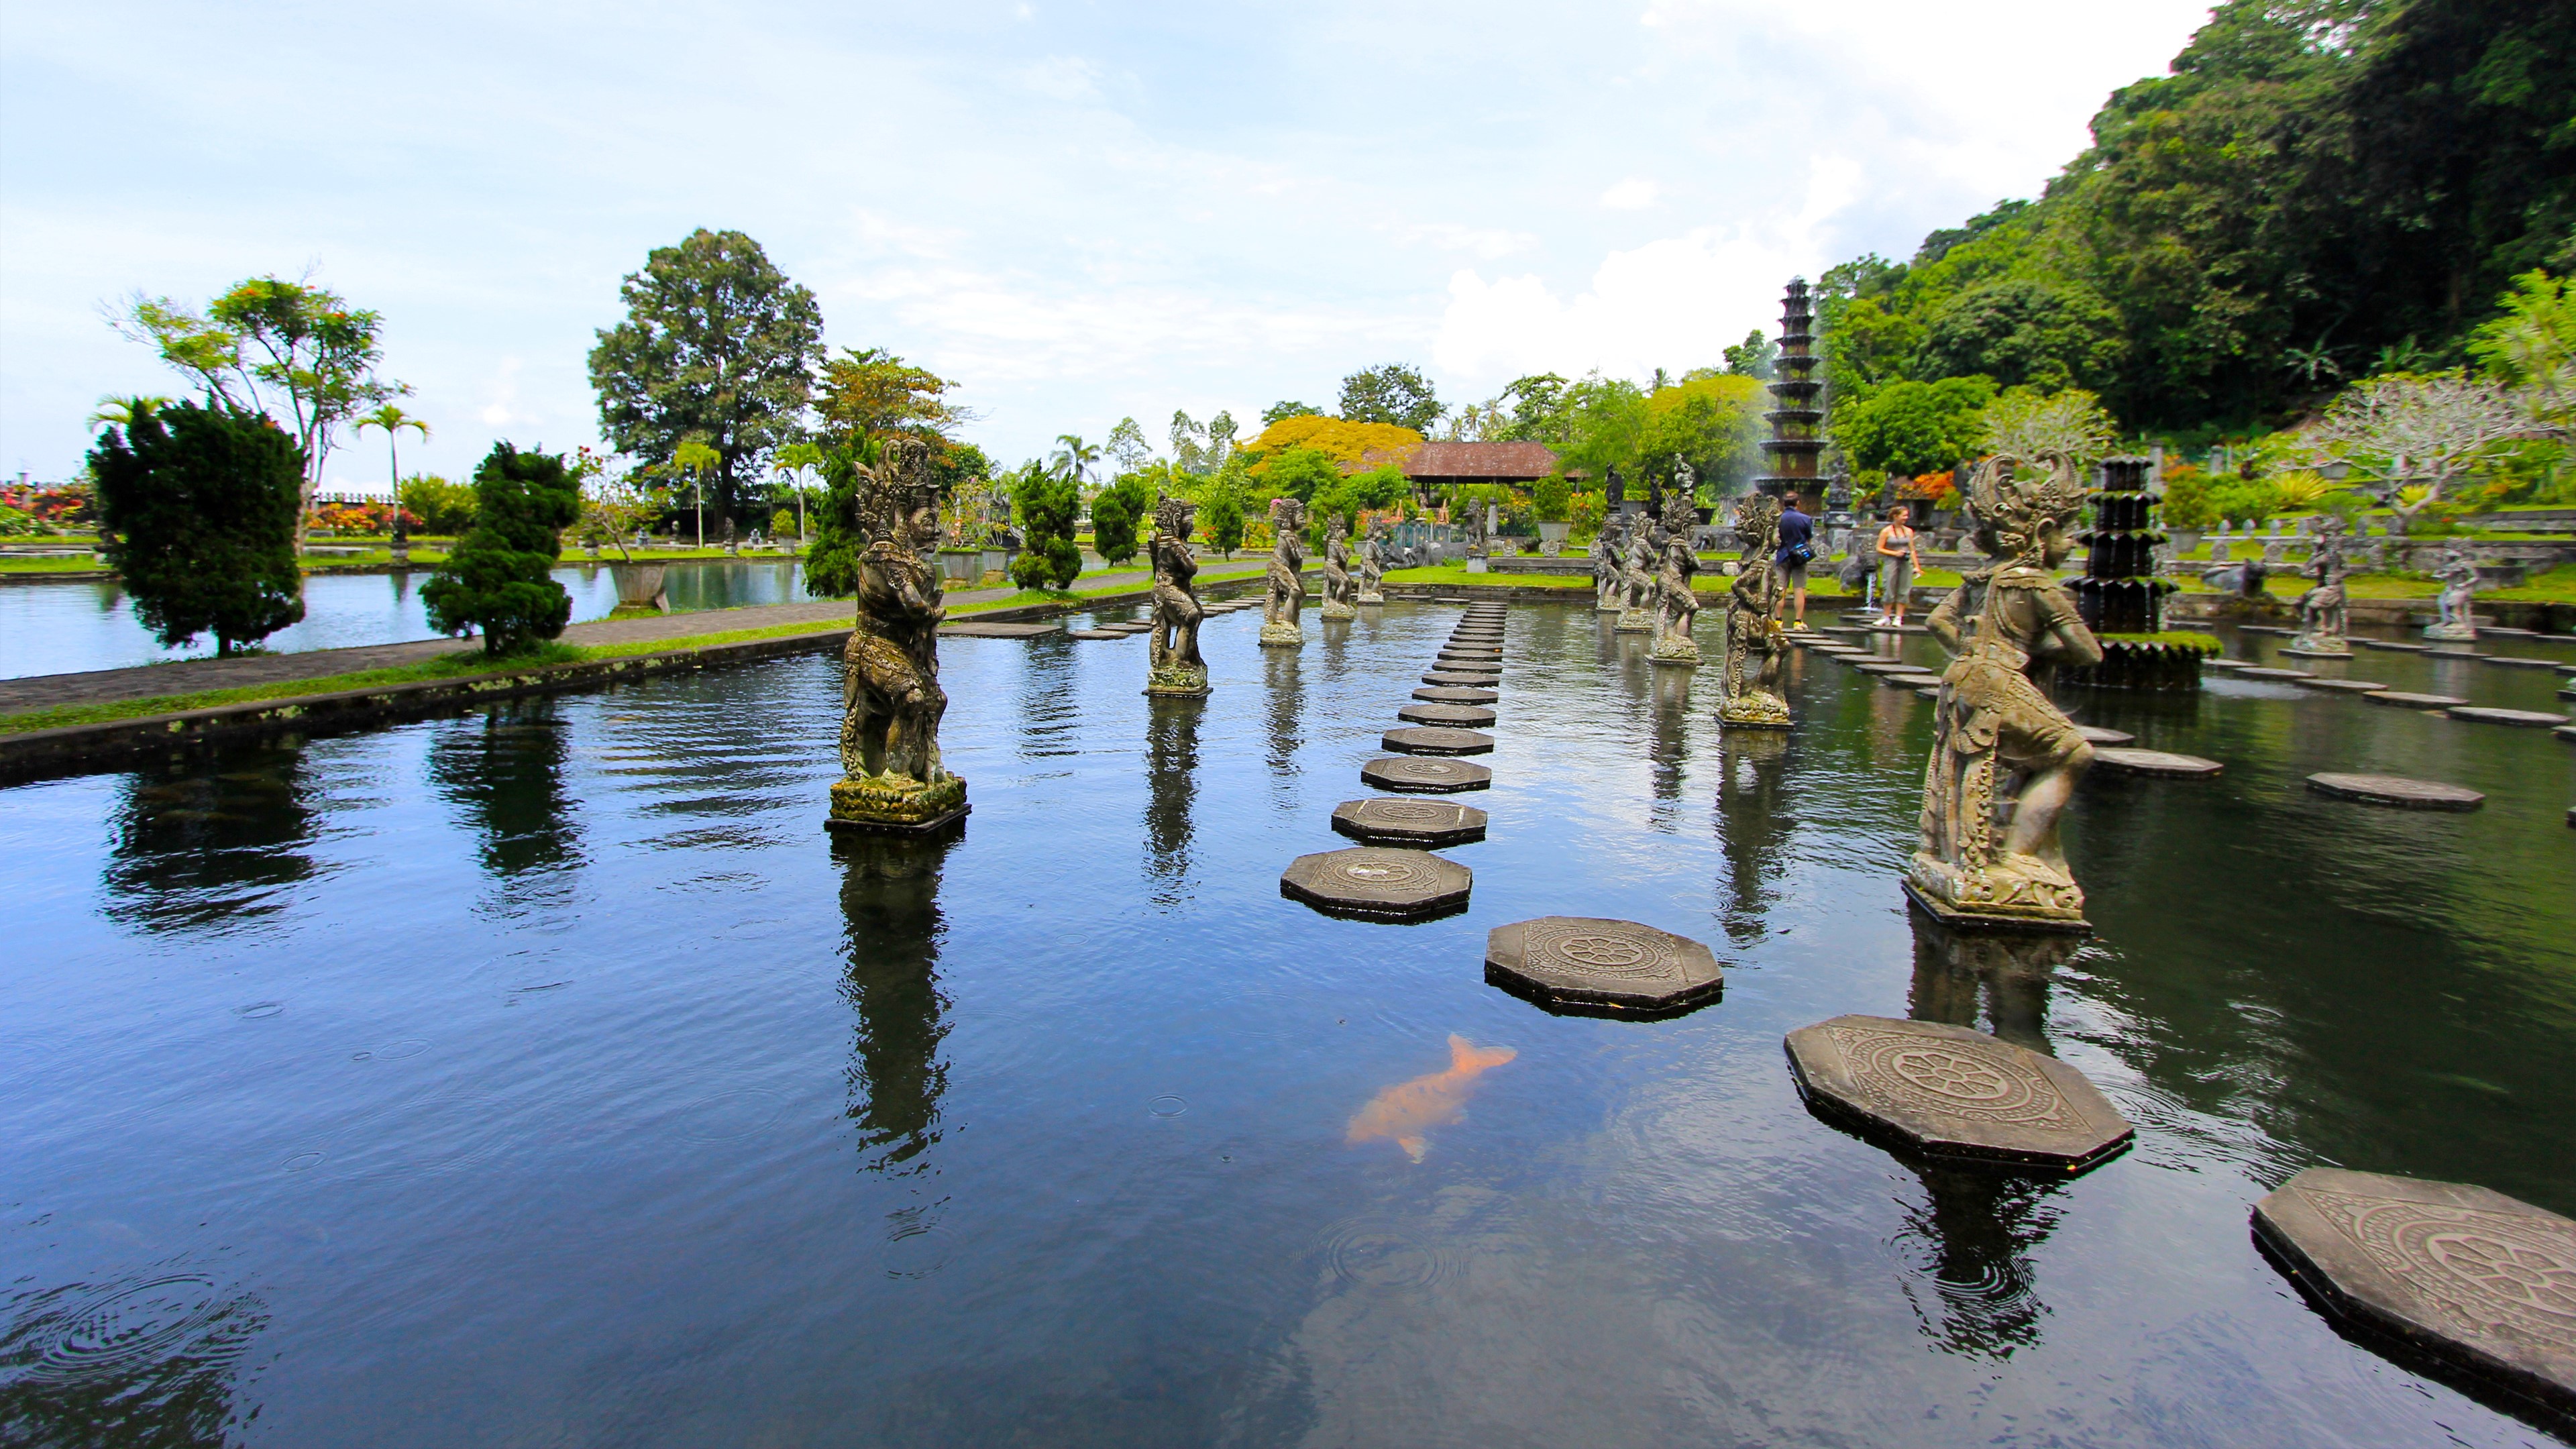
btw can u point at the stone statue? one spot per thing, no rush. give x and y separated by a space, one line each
890 695
1287 583
2004 758
1373 563
1685 483
2459 575
1749 687
1608 547
1676 605
1341 595
2323 618
1614 488
1473 530
1177 668
1637 575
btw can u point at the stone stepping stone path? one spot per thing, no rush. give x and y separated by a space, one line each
1378 883
2506 661
2453 654
1951 1093
1929 692
2397 790
2343 686
2409 700
1455 694
1582 966
1887 666
976 629
1128 627
1423 824
2509 630
2286 675
1425 775
2527 718
1436 740
2096 735
2394 645
1094 634
2161 763
1911 681
2474 1278
2264 629
2233 664
1463 716
2565 732
1470 678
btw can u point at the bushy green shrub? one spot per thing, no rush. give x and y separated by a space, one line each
1551 496
499 578
1221 516
444 509
1047 505
198 508
1115 514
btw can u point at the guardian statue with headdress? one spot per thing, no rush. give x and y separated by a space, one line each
2005 758
1676 604
1373 563
1749 686
1609 580
1637 575
1341 592
1286 577
1177 668
890 695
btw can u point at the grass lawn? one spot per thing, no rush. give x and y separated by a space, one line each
78 563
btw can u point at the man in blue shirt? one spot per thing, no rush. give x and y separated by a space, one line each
1797 550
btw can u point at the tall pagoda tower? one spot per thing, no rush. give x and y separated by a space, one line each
1797 424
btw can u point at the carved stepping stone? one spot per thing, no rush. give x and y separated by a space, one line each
1455 694
1952 1093
1436 740
2397 790
2408 700
2263 629
1378 883
2502 661
2475 1279
1910 681
2290 676
1887 666
2343 686
1469 678
2528 718
2565 732
1094 634
2162 763
1581 966
1418 775
2453 654
2096 735
1424 824
1470 651
2394 645
1464 716
975 629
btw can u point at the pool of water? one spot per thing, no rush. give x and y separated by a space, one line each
60 628
548 1075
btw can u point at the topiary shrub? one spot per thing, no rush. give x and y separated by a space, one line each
499 577
1048 504
198 507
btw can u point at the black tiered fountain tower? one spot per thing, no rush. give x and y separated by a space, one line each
2120 594
1797 424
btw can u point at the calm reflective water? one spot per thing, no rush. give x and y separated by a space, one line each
547 1075
61 628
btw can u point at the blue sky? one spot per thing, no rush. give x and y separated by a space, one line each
1079 211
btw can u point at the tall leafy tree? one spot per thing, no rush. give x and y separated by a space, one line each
717 344
1391 393
1115 514
198 507
499 578
1128 450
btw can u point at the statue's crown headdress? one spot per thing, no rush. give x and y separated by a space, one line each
1172 516
892 487
2016 503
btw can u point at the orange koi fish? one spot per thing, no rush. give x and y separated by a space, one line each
1404 1111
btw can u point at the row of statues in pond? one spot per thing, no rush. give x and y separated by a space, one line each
2004 761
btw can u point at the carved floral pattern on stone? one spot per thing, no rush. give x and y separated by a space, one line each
2507 1275
1905 1072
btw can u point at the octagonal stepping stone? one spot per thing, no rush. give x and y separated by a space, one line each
2508 629
1582 966
2263 629
1094 634
2528 718
1424 775
2232 664
1126 628
2453 654
1928 693
2467 1275
1910 681
2393 645
2291 676
1455 694
1436 740
2162 763
1887 666
1423 824
2506 661
1467 640
1463 716
1468 678
2397 790
2096 735
1469 651
2414 701
2343 686
1378 883
1952 1093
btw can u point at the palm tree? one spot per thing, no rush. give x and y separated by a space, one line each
1074 458
393 420
793 460
695 457
125 412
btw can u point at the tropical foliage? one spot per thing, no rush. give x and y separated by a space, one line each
498 578
201 507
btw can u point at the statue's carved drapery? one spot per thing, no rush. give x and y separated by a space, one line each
1286 577
1749 686
1176 666
1676 605
891 701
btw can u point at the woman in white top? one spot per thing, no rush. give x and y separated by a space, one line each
1897 564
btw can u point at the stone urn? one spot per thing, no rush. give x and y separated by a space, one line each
639 586
2184 540
960 565
1551 537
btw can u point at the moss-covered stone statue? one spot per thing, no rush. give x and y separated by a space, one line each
2005 759
890 695
1341 593
1637 577
1373 563
1287 576
1749 687
1177 668
1676 605
1609 578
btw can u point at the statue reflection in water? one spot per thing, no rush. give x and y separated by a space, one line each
1171 785
1671 745
504 774
1754 823
893 931
1287 712
212 840
1974 1231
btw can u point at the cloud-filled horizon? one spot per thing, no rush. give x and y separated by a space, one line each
1078 211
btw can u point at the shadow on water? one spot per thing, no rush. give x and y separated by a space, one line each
504 773
892 934
148 1361
211 844
1172 757
1754 825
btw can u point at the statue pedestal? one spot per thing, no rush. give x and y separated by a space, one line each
1996 899
1339 611
1634 621
2318 647
1682 651
896 805
1177 681
1282 636
1371 596
2452 633
1755 709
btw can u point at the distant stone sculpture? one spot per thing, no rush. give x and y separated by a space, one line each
1676 605
1177 668
1637 577
1341 592
1749 686
2005 759
2459 575
890 696
1286 578
2323 617
1373 563
1609 581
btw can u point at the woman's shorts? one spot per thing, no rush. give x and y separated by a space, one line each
1895 576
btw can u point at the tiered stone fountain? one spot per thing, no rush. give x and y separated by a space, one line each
2120 596
1797 424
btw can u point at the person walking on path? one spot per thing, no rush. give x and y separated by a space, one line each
1797 550
1897 565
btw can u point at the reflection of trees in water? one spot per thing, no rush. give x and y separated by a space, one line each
1171 784
208 839
1958 974
1753 824
505 775
1050 704
1287 707
893 930
1972 1237
147 1361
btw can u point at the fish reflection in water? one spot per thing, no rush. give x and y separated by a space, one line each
1403 1112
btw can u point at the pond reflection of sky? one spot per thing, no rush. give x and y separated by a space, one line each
550 1067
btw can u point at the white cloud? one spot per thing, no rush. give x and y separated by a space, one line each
1484 243
1634 194
1062 78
